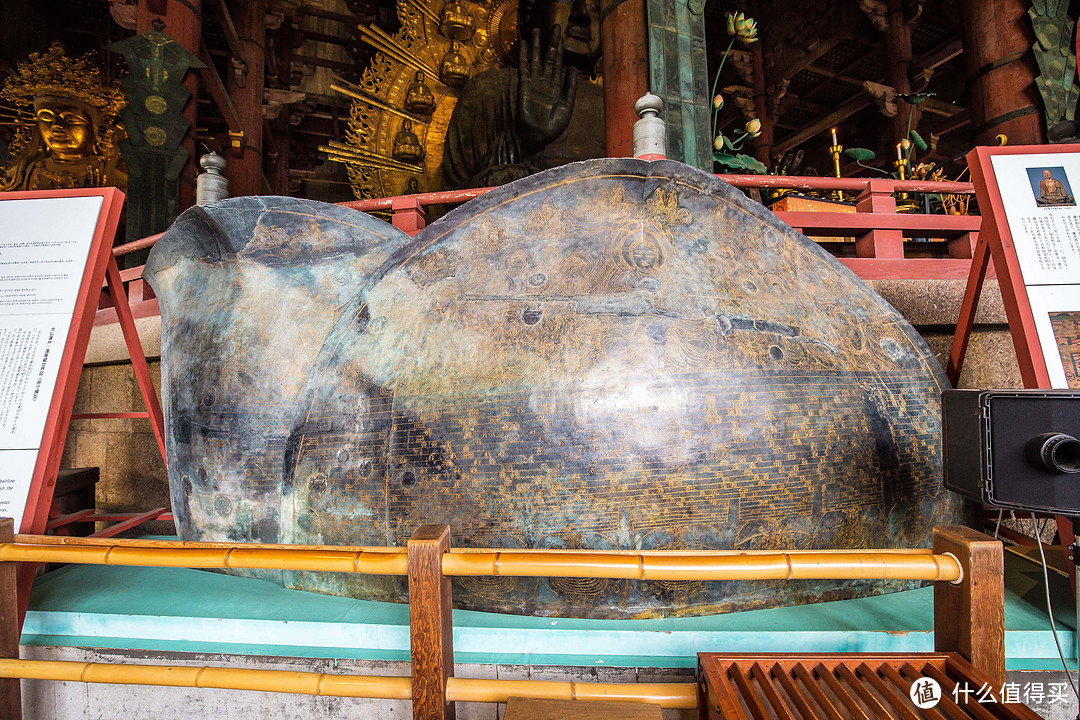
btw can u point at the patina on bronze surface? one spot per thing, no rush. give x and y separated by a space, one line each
612 354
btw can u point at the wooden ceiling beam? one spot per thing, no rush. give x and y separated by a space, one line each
823 124
318 12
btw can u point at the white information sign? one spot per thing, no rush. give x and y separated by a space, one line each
1038 193
44 245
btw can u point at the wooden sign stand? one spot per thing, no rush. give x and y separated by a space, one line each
996 242
100 268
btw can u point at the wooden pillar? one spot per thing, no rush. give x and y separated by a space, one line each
625 65
431 627
763 143
1002 96
897 50
183 23
245 82
280 128
969 618
10 691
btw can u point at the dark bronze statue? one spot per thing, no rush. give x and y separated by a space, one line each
506 117
610 354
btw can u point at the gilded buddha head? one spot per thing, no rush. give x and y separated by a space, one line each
69 143
67 127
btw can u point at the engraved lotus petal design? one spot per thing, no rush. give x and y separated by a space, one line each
611 354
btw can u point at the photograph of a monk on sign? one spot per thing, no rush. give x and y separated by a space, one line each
1050 186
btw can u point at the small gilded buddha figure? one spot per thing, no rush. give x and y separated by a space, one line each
71 141
418 96
407 147
456 23
454 69
1052 191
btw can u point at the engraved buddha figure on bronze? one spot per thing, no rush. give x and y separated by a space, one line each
505 118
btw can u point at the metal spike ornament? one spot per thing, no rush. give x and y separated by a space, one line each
153 151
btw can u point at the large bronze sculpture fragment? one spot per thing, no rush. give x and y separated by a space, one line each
611 354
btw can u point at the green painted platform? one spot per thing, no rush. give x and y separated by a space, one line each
177 610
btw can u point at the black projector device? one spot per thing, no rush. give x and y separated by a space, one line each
1014 449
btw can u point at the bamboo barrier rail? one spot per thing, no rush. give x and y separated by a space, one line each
764 565
667 695
966 566
222 678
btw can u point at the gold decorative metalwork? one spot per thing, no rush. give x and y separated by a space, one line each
67 125
440 42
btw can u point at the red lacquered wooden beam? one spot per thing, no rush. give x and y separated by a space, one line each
131 522
912 225
136 245
63 520
443 197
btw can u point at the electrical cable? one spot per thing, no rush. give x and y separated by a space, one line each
1050 611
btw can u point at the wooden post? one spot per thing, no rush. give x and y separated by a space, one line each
431 627
1002 96
408 214
625 65
878 198
10 693
969 618
244 83
897 51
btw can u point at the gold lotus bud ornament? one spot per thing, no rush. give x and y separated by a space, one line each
742 28
71 142
753 128
718 101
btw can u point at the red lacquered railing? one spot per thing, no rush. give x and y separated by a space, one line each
875 241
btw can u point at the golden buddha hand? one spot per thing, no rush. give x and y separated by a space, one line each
545 93
66 130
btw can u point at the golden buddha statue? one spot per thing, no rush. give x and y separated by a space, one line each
70 143
407 147
418 96
456 23
454 69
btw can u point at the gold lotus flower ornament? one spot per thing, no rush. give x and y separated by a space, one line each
742 28
753 128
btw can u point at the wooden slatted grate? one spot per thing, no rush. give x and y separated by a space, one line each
846 686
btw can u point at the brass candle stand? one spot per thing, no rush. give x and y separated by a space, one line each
834 151
904 202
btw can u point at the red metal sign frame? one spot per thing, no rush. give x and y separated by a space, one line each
100 268
996 242
36 513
